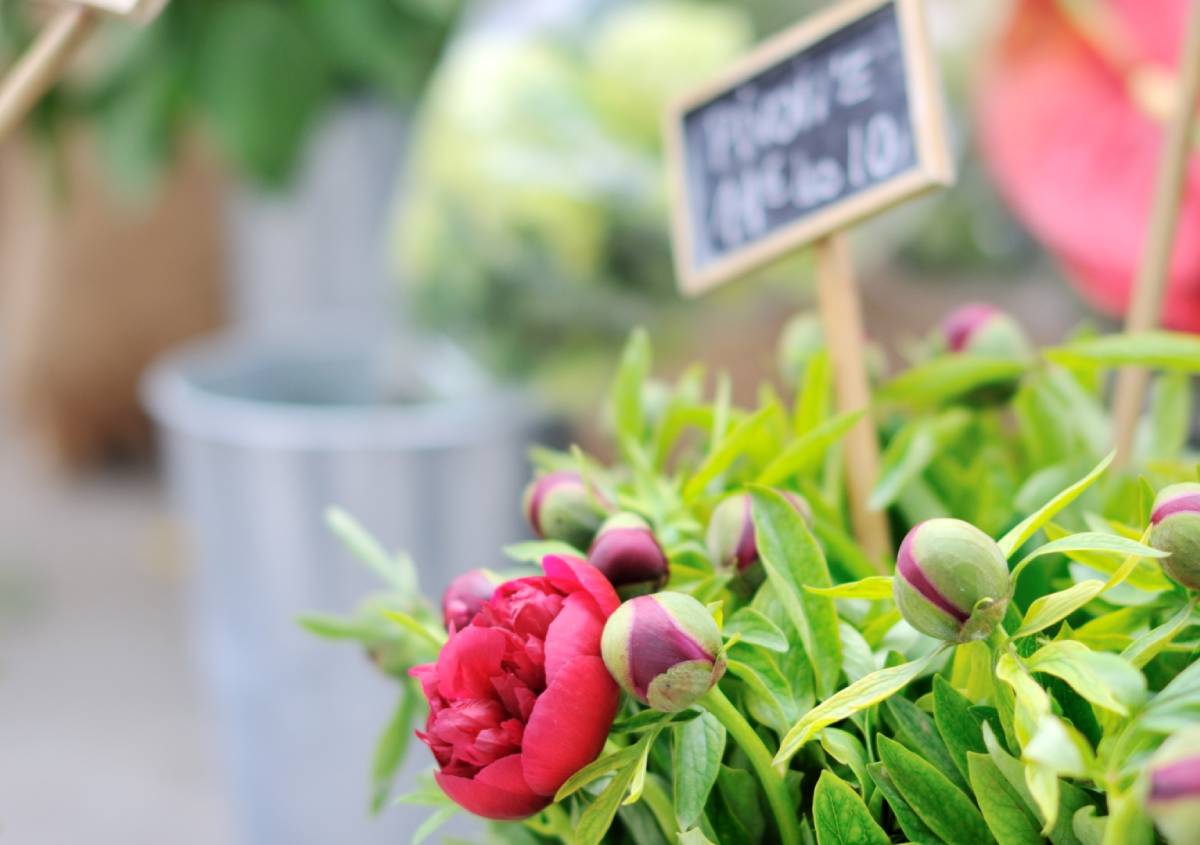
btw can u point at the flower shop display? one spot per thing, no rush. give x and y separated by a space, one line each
1027 673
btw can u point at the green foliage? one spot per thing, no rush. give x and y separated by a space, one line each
1039 732
258 74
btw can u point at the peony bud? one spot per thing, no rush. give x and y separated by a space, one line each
951 580
627 553
984 330
731 541
465 596
664 650
1175 529
560 507
1174 794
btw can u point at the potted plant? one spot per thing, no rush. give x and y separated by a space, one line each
699 652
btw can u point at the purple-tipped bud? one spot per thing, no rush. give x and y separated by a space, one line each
1173 798
984 330
731 542
951 580
626 551
1175 529
559 506
664 650
465 596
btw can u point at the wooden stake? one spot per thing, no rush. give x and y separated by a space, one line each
1146 299
42 64
841 317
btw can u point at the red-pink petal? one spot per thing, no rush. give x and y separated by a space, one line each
575 633
1079 170
468 661
569 724
570 574
498 792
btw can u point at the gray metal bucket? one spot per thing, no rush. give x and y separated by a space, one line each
260 436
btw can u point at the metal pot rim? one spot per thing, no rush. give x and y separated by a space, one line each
469 408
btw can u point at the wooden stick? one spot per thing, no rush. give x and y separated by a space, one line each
841 316
1151 282
42 64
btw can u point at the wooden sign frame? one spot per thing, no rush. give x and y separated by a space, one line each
934 165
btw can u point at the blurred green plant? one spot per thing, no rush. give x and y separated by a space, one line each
257 74
535 213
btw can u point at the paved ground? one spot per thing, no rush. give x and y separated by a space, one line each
102 737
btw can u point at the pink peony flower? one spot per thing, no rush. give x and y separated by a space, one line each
520 699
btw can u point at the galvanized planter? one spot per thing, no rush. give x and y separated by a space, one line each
260 435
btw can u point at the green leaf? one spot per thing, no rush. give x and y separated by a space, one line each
1088 541
755 628
841 817
1005 811
875 587
638 782
742 819
806 451
731 448
848 750
1155 349
338 628
792 560
860 695
1106 680
949 377
598 768
958 727
1176 705
1088 826
1166 432
939 803
598 817
436 639
397 572
431 824
1047 610
699 747
1148 646
392 745
695 836
1029 526
261 83
625 395
917 731
1070 799
911 451
769 694
915 829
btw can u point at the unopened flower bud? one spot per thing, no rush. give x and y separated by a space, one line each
664 650
560 507
731 542
984 330
626 551
1175 529
465 596
1173 798
951 580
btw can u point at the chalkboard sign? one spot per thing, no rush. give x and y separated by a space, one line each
822 125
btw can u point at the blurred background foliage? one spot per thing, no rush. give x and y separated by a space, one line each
257 75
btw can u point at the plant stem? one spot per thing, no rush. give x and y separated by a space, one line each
760 758
660 805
